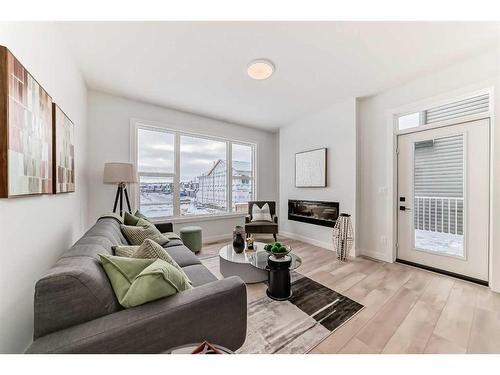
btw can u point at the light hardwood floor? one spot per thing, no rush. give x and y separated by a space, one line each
407 310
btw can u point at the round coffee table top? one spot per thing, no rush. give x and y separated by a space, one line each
256 257
246 256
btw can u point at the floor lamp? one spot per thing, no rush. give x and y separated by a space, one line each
120 174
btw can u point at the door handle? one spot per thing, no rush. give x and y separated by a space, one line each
404 208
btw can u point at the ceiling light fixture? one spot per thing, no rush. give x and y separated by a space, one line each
260 69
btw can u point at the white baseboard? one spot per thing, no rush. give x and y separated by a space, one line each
378 255
312 241
220 237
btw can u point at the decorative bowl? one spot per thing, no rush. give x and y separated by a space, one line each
280 254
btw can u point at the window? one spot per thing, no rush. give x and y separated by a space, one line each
409 121
184 174
155 164
242 177
478 105
203 176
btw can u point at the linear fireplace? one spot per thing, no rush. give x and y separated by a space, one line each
313 212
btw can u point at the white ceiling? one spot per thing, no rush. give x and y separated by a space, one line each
200 67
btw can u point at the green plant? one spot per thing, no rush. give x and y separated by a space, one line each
275 247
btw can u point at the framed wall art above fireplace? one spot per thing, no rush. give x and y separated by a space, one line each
310 168
25 131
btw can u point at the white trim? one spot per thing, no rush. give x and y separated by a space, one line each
217 238
177 176
172 127
377 255
440 124
311 241
443 99
229 177
197 218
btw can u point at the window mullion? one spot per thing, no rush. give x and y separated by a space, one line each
229 174
177 170
254 176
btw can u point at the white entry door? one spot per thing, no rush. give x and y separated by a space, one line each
443 198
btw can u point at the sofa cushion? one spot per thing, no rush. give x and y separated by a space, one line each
173 242
262 227
199 275
182 255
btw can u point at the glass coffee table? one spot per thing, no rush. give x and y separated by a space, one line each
255 266
244 264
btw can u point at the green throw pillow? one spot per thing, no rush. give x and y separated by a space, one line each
144 229
137 281
148 250
140 215
129 219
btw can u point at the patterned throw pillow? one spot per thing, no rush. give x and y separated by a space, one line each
144 229
148 250
124 250
261 214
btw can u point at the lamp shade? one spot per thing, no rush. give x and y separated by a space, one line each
115 173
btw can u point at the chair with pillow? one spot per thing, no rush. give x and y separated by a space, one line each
261 218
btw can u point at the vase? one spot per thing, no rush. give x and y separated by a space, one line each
238 239
343 236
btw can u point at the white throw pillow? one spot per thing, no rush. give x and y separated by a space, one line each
261 214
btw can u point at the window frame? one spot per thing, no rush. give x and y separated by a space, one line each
447 98
136 124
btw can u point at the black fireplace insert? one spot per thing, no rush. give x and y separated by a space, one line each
313 212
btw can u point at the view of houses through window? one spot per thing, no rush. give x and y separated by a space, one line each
203 174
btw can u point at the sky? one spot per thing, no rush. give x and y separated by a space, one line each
156 154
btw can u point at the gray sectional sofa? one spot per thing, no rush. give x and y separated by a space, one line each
76 310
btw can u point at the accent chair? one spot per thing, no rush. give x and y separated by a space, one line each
262 227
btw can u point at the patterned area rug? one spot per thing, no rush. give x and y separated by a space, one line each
299 324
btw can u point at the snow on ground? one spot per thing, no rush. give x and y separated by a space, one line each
160 204
446 243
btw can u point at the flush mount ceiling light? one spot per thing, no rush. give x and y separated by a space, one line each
260 69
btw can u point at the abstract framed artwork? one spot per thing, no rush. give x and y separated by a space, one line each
25 131
64 151
310 168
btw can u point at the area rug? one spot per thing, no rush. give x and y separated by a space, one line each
296 326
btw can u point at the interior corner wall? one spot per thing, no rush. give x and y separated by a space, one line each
334 128
375 182
35 230
109 125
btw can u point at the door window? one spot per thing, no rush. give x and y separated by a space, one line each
439 195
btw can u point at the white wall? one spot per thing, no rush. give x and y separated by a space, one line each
35 230
335 129
375 182
109 124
